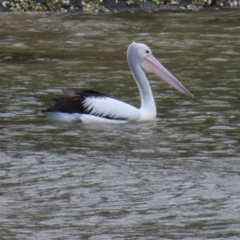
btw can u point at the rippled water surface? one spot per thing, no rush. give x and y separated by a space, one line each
176 178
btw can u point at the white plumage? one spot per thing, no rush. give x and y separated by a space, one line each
111 108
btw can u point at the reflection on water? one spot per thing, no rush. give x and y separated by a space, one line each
176 178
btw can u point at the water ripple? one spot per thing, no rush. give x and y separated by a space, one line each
176 178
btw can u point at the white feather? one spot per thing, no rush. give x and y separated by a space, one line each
64 117
106 106
91 119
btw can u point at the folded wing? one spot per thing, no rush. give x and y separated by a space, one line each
95 104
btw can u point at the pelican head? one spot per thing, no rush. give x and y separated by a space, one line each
141 54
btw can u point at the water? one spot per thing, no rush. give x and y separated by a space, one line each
176 178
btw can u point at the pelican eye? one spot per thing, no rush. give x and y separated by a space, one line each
147 51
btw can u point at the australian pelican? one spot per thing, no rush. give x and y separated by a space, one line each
93 107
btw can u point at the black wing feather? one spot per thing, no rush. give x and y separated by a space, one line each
73 102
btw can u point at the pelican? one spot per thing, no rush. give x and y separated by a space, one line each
92 107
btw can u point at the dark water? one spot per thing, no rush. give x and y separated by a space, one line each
176 178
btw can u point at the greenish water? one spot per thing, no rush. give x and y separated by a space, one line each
176 178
